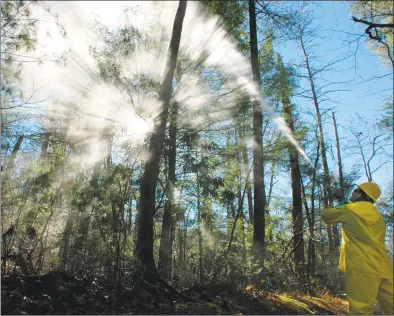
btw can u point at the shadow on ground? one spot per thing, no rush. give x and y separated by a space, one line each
57 293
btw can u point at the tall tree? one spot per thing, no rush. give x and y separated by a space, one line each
165 252
303 39
295 173
258 158
310 214
144 247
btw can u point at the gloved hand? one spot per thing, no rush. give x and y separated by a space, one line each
337 194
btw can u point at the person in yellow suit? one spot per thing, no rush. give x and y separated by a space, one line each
364 259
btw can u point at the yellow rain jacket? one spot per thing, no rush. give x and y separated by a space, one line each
368 269
363 250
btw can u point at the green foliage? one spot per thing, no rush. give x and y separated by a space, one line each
267 58
385 205
18 29
386 122
232 13
18 33
381 39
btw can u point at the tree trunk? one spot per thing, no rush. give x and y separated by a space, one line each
130 217
165 252
311 265
258 163
144 247
64 254
199 223
45 143
340 171
79 249
136 225
15 150
181 228
228 175
271 185
245 161
108 136
42 239
115 240
298 240
239 195
310 227
326 181
295 176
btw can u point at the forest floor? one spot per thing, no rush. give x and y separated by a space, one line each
57 293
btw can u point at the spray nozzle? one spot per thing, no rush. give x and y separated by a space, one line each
336 193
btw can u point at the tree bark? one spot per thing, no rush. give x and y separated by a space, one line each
199 223
180 233
115 239
64 253
144 247
270 186
130 217
228 175
45 143
340 170
295 176
310 228
239 194
165 252
258 163
245 161
15 150
311 244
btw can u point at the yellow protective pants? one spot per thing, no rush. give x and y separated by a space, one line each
363 291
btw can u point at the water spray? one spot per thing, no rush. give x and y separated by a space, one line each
202 36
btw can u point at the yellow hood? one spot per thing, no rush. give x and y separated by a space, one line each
366 211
